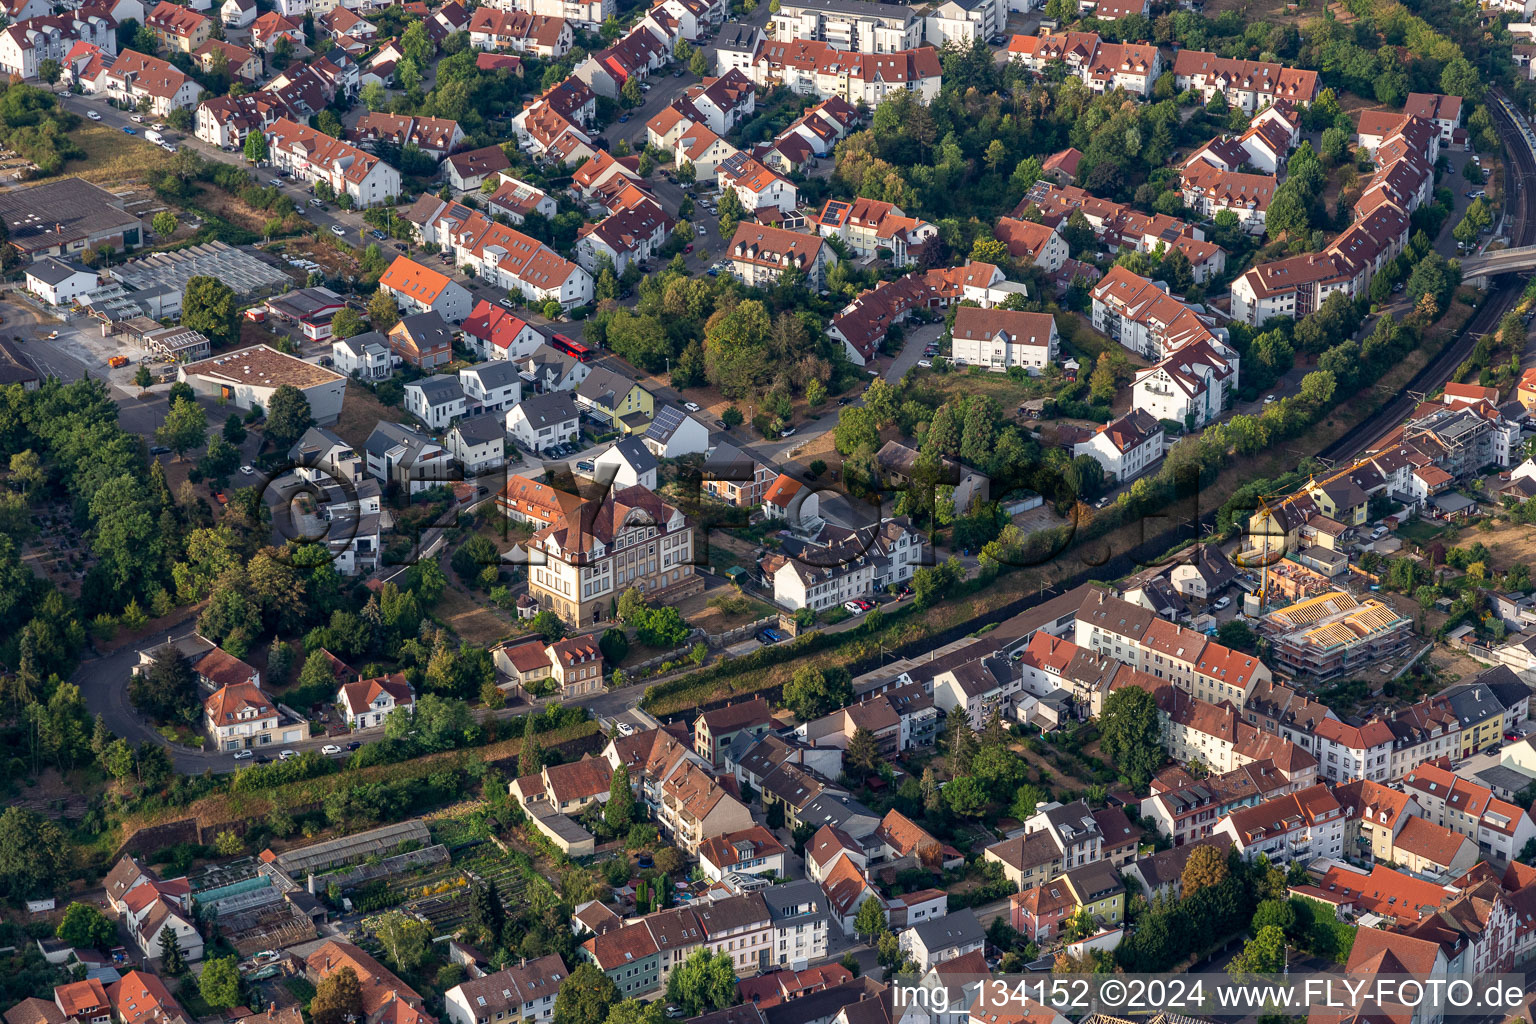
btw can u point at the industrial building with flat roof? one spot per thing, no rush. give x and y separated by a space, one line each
169 272
249 376
67 217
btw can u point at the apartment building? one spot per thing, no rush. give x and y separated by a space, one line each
633 540
1000 339
1246 84
521 992
857 25
1335 633
820 69
1191 661
239 716
869 226
1295 827
1186 809
760 255
1126 447
313 156
713 730
1501 829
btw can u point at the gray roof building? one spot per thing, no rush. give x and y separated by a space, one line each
548 409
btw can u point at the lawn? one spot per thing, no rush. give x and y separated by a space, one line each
1422 532
114 158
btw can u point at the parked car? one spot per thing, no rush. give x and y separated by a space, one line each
159 449
504 303
244 755
767 636
93 115
1270 399
691 406
586 466
285 755
1379 532
128 131
376 233
1222 602
852 607
338 231
330 749
247 469
787 432
925 363
688 248
138 119
625 729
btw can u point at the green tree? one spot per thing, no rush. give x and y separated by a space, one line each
173 962
209 306
404 938
702 983
698 64
142 377
185 427
586 995
219 984
812 692
530 758
347 323
619 813
869 921
863 750
1131 735
966 796
256 147
164 689
288 417
85 927
383 311
338 999
731 212
1263 954
548 625
164 223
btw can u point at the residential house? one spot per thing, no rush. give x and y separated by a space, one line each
521 992
398 455
1295 827
422 339
937 941
539 421
368 702
240 716
713 730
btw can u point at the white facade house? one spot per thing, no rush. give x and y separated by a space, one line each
248 377
525 991
313 156
368 702
437 401
479 442
493 385
421 289
1127 447
539 421
60 282
1298 827
365 356
1001 338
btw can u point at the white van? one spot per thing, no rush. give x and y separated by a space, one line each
153 136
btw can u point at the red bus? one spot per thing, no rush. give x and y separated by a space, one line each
575 348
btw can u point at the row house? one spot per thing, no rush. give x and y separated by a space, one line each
498 334
1216 736
271 28
585 14
720 103
237 60
1190 660
1144 317
875 229
636 56
628 235
1444 112
1246 84
765 195
1296 286
751 851
1376 128
714 730
226 121
513 260
1117 226
849 25
1298 827
26 44
810 137
1500 829
179 29
1209 190
1031 243
346 27
1186 809
434 136
134 78
861 325
759 256
554 127
820 69
313 156
739 928
604 174
1102 66
1042 912
1347 752
519 32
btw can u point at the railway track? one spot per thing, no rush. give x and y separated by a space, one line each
1519 188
